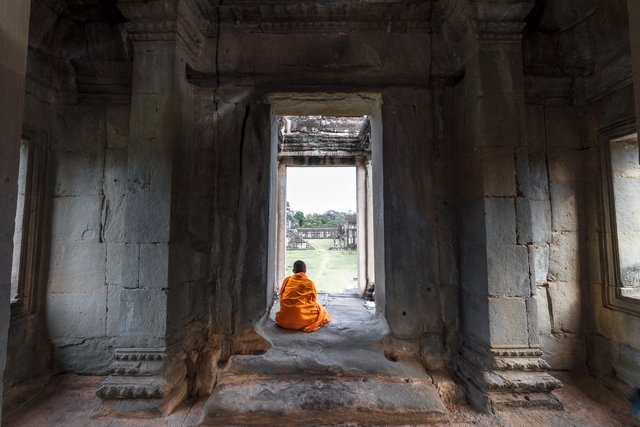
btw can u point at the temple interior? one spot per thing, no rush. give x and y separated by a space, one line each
143 228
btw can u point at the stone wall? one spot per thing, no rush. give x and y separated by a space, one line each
14 21
557 250
578 71
613 347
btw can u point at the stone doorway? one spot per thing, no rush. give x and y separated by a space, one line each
332 131
322 227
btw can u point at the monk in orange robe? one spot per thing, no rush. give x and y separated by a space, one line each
299 308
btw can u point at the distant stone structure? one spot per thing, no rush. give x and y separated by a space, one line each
347 234
296 240
318 233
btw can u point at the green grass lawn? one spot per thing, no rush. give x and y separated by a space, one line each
331 271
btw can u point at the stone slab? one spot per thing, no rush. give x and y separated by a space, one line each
508 322
77 267
308 401
508 270
77 316
500 221
76 218
564 206
563 257
566 307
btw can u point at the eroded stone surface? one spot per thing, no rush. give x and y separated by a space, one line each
338 374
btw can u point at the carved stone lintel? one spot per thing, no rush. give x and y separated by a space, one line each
180 21
514 377
145 381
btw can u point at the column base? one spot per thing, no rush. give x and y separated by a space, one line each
507 378
144 383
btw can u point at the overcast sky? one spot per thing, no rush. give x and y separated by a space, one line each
317 189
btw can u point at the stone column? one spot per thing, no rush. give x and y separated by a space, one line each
361 194
14 22
281 201
500 359
634 37
371 276
149 371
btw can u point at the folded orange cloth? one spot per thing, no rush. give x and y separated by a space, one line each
299 308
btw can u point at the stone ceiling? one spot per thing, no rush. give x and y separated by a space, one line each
322 134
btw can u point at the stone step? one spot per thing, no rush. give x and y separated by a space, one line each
298 400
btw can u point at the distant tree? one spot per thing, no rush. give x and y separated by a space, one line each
329 219
298 217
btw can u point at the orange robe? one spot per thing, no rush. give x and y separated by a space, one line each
299 308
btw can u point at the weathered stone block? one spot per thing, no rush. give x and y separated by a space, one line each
523 181
115 182
76 218
508 322
113 310
500 71
154 266
566 307
563 129
123 260
77 316
564 352
539 263
473 266
449 302
535 135
532 320
78 173
78 267
599 355
565 165
147 217
498 172
500 221
472 222
508 270
117 126
627 363
143 314
564 206
79 128
475 317
538 176
544 314
540 221
564 262
83 356
501 115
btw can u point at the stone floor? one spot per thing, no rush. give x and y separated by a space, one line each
348 348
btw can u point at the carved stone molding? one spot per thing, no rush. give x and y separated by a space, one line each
145 380
514 377
178 20
311 16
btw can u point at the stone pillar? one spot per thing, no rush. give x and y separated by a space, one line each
500 359
14 22
149 371
634 37
371 276
361 212
281 201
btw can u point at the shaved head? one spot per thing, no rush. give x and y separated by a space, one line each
299 267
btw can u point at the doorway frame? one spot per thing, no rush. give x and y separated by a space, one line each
369 179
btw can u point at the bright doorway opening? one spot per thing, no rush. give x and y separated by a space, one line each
321 226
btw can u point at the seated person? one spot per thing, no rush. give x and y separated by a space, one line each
299 309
